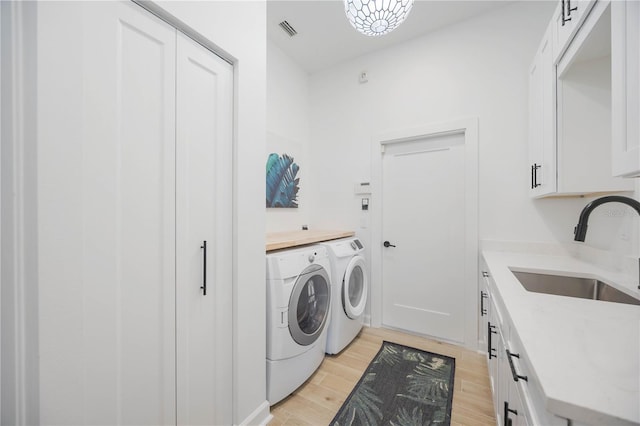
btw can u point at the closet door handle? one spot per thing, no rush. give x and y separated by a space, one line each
204 268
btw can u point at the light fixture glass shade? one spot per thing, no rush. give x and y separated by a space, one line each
376 17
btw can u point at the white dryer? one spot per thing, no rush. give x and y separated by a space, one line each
298 312
350 287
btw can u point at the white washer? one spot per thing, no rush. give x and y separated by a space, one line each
349 289
298 312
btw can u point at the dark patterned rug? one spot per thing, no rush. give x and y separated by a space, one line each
401 386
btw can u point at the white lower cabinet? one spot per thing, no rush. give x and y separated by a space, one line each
134 154
517 397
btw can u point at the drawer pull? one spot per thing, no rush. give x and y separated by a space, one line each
483 296
515 375
490 330
507 410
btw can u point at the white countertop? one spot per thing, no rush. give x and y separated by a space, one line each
586 353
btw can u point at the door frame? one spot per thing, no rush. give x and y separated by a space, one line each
469 127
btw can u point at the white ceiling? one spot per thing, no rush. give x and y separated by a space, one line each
325 36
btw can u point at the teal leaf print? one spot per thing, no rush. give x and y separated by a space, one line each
282 181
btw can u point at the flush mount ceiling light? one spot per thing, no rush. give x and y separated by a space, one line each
376 17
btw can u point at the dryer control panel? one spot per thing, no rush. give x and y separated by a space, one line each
347 248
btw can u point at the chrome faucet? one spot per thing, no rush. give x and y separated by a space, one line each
580 231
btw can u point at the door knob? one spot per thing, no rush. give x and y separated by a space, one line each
388 244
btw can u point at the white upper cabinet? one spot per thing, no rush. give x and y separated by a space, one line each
625 55
570 132
569 16
542 147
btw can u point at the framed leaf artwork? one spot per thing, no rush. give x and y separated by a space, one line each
282 181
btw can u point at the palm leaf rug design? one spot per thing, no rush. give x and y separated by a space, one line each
402 386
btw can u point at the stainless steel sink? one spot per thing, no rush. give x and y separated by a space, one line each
585 288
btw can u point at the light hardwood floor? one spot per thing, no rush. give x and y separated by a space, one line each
317 401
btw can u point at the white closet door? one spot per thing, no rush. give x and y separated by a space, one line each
106 182
204 213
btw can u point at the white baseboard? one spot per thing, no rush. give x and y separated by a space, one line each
367 320
260 416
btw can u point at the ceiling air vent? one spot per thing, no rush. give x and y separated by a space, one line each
287 28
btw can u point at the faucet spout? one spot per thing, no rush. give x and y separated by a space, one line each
580 230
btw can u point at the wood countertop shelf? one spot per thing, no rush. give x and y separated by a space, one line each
281 240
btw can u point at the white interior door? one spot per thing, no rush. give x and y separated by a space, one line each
204 213
106 203
423 191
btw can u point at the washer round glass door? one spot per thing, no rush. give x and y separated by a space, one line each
354 288
309 305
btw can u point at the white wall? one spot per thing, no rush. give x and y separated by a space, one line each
288 131
475 68
239 29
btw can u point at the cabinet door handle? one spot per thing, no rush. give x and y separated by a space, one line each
507 410
566 11
491 329
535 175
565 15
203 287
485 274
515 375
533 178
483 296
